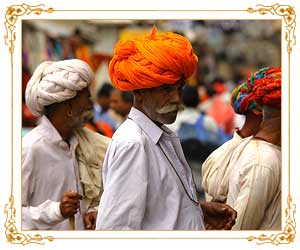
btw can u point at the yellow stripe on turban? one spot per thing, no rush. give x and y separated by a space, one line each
151 61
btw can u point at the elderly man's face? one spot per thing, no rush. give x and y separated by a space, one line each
161 104
82 108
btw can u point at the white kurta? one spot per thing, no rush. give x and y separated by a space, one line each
216 171
141 189
255 186
49 168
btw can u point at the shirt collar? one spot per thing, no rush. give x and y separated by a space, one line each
52 134
49 130
236 135
146 124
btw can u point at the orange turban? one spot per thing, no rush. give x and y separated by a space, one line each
151 61
267 90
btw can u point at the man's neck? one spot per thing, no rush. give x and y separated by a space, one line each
249 128
270 131
60 125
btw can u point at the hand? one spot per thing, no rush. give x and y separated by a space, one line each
218 216
69 203
89 220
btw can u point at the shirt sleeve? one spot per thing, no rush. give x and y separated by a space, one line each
46 214
42 217
208 170
123 202
257 187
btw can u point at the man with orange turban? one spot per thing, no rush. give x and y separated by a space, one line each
147 181
255 180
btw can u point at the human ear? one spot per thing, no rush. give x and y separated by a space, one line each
138 96
69 109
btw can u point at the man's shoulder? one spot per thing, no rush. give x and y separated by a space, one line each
129 131
258 153
226 148
33 137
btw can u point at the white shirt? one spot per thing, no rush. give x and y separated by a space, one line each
49 168
141 189
255 186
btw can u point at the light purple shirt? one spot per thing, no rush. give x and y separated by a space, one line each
141 189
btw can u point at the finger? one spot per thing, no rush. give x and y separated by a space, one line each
88 225
71 201
91 218
70 206
71 212
230 212
94 216
231 215
234 215
209 227
74 205
72 194
85 220
229 225
74 210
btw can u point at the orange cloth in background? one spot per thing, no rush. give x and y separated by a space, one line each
223 114
151 61
101 127
83 53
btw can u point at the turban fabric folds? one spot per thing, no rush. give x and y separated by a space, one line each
54 82
267 90
151 61
257 90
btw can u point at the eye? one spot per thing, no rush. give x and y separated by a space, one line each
167 88
181 87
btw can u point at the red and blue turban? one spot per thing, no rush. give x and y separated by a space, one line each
262 87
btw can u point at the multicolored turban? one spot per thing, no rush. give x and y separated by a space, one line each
267 90
249 97
151 61
54 82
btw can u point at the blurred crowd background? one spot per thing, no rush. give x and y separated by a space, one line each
228 51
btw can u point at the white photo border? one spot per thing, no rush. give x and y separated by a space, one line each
13 17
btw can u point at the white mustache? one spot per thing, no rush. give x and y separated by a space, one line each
170 108
88 114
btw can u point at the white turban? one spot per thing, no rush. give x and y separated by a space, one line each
54 82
